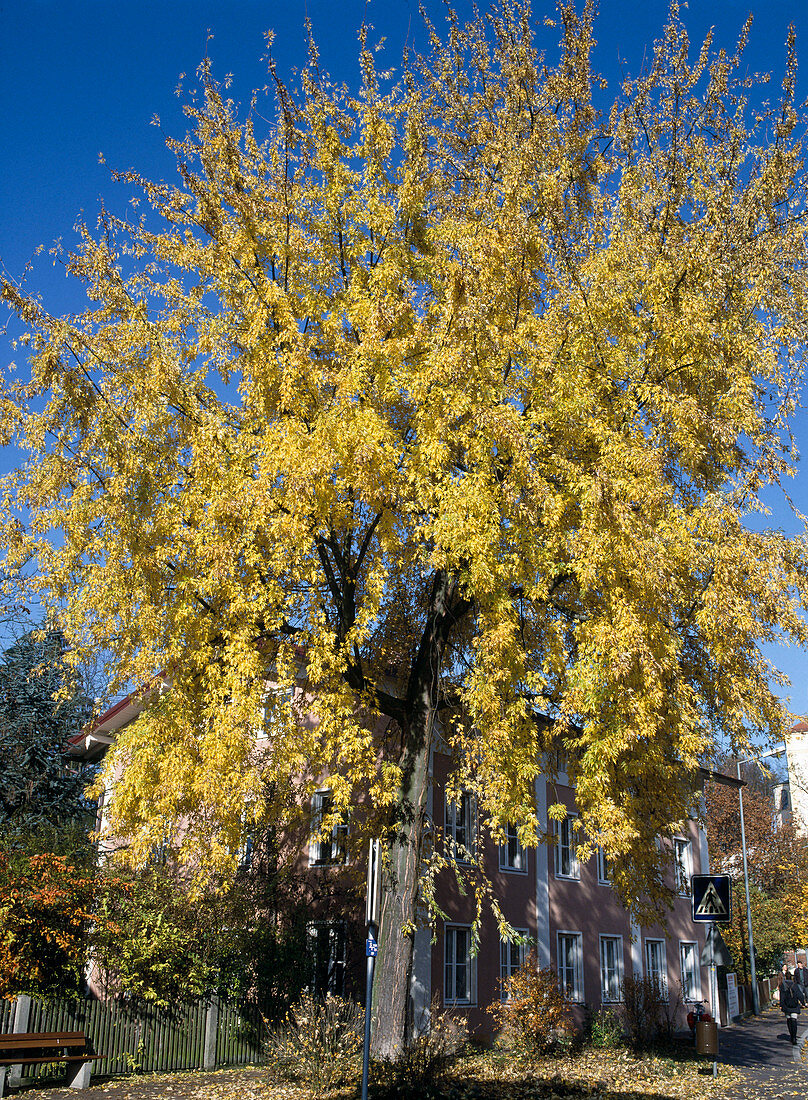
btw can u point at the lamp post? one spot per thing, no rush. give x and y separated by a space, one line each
753 972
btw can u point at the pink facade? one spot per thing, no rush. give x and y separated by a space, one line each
570 913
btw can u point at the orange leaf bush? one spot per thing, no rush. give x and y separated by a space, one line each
535 1013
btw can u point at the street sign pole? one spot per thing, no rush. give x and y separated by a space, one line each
712 904
714 988
371 947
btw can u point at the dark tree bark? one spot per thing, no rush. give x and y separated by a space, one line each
391 995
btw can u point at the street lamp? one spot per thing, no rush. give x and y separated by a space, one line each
753 973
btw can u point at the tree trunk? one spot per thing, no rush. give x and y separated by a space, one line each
391 987
390 1025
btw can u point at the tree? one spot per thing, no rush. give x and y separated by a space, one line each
46 904
42 788
776 865
456 394
158 944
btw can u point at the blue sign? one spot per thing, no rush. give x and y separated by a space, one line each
712 898
371 946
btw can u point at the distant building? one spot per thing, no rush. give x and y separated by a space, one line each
793 790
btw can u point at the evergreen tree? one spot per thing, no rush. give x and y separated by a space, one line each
42 787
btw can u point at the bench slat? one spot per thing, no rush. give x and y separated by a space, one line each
44 1035
48 1046
44 1038
53 1060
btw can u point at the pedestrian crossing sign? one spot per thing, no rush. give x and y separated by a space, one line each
711 896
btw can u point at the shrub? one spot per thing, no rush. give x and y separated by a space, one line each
535 1013
648 1011
606 1030
420 1071
319 1044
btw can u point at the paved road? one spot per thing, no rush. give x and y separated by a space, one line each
760 1048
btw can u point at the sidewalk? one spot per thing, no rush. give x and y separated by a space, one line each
759 1048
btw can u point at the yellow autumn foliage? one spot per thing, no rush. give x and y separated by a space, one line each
456 395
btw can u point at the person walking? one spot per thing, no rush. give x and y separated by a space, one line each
792 999
781 977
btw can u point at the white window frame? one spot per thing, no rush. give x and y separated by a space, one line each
461 827
693 993
565 849
246 853
512 957
604 878
660 972
512 856
274 698
570 979
336 840
611 971
682 865
451 964
159 853
337 940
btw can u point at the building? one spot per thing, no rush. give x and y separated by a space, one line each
565 908
791 790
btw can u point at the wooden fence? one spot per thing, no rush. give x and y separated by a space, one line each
199 1035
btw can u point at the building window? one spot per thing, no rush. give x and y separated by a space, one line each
682 865
327 955
160 853
461 827
459 966
611 968
566 859
511 959
512 856
332 847
655 967
570 969
604 871
691 976
245 856
278 709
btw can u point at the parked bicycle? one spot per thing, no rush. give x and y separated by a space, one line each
698 1012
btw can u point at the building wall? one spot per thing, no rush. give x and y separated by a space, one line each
550 904
583 904
797 758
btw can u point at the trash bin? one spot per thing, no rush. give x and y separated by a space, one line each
707 1037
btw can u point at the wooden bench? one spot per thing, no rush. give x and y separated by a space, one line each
31 1048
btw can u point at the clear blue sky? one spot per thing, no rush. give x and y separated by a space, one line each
83 77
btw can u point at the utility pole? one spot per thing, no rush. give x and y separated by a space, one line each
752 969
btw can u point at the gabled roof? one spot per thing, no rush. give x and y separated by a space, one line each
96 737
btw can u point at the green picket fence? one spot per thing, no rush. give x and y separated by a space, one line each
145 1042
239 1035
